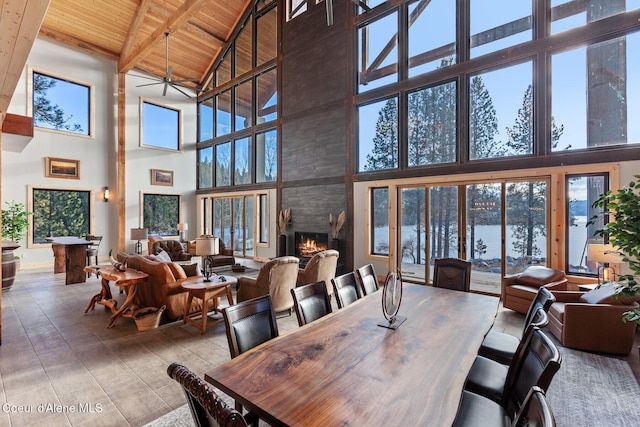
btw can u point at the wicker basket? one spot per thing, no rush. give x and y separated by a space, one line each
148 318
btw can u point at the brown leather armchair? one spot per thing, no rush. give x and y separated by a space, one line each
276 278
592 320
519 290
173 248
321 267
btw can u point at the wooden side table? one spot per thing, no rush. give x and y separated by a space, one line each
206 291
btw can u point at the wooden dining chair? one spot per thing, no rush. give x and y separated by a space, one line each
452 273
311 302
500 346
249 323
207 409
92 250
346 289
367 279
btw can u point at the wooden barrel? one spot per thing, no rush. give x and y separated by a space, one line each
8 269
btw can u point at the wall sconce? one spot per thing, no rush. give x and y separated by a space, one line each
105 194
604 255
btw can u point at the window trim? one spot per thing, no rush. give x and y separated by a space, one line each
92 199
92 104
141 144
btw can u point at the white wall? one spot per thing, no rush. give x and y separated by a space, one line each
97 155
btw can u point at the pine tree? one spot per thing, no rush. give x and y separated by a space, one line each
385 143
44 113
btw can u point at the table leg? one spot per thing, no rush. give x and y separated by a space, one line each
131 294
187 308
229 295
105 294
205 312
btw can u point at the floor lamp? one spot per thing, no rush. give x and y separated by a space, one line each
139 234
604 255
205 247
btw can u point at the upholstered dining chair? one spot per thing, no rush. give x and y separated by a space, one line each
276 278
535 411
452 273
207 409
346 289
320 268
249 323
500 346
311 302
92 249
367 279
535 363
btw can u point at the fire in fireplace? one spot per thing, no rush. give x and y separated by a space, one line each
308 244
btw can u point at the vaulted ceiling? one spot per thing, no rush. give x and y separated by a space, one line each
131 32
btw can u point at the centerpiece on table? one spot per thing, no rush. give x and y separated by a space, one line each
621 210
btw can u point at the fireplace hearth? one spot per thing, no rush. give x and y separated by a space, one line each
307 244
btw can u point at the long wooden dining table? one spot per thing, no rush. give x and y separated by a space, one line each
345 370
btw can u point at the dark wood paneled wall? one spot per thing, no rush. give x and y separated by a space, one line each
316 177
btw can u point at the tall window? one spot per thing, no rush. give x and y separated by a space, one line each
161 126
161 214
60 104
59 212
242 108
380 221
473 83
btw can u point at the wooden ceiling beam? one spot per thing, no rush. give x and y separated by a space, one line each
175 21
73 41
20 21
134 28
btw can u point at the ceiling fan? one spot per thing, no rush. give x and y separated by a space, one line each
166 80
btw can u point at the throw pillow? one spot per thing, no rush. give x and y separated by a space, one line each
190 269
162 256
177 270
601 295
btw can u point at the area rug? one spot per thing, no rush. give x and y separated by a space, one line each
588 390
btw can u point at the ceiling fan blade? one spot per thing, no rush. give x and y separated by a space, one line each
164 91
180 90
148 77
150 84
185 80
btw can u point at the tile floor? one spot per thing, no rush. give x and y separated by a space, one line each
61 367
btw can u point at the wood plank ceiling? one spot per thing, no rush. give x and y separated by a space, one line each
132 32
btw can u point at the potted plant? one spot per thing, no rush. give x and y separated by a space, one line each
622 210
15 220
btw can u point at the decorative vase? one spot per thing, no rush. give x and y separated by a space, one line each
282 245
8 264
334 244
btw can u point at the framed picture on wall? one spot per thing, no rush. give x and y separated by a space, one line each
62 168
161 177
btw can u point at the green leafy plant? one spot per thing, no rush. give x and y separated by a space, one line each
622 210
15 220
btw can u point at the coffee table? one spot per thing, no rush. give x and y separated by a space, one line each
207 291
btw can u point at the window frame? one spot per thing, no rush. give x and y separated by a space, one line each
177 218
141 125
58 76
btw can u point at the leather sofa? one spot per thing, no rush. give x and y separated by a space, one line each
225 257
173 248
321 267
593 320
163 286
276 278
519 290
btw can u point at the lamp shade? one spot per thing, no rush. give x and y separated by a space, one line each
207 246
603 253
183 226
139 233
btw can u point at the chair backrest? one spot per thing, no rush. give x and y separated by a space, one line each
95 240
535 411
367 279
346 289
249 323
320 268
544 298
452 273
311 302
535 362
207 409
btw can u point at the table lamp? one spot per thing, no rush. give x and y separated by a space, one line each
205 247
139 234
182 227
604 255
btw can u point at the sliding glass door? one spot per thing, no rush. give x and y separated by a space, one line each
233 222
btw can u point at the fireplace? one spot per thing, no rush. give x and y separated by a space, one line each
307 244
